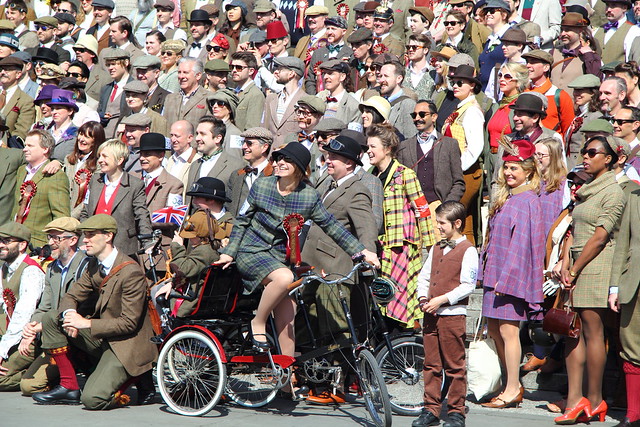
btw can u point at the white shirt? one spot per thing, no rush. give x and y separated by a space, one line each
265 78
180 34
473 124
220 214
120 89
109 188
284 99
207 165
108 262
250 178
468 274
427 145
179 162
173 199
416 74
31 287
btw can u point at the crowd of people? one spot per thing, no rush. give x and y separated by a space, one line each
497 138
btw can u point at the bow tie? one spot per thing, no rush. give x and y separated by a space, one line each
610 25
444 243
569 52
249 170
303 136
377 39
196 45
332 99
359 66
334 49
521 137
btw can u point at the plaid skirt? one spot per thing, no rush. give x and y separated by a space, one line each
403 264
255 266
504 307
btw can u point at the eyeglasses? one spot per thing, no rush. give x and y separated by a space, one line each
248 142
5 241
459 83
451 23
620 122
43 28
591 152
421 114
76 75
541 155
506 77
167 53
238 67
57 239
216 49
413 47
301 112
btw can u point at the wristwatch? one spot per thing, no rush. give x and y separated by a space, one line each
573 273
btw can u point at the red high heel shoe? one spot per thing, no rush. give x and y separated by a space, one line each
600 410
571 415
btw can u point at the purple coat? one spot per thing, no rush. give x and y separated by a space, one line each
513 259
551 205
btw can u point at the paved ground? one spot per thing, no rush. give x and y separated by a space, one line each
16 410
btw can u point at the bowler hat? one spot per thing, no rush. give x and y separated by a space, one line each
345 147
357 137
276 30
15 230
629 3
200 16
100 222
153 141
65 223
209 188
529 103
47 55
466 72
63 98
295 151
524 150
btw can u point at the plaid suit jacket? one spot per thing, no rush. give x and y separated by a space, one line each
51 201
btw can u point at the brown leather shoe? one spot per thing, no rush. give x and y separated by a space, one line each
533 364
499 403
327 398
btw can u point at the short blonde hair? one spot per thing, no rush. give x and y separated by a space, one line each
520 73
116 148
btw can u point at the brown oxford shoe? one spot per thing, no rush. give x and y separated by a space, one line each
533 364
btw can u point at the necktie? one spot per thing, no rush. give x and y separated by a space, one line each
332 99
103 271
249 170
569 52
444 243
195 45
377 39
610 25
3 98
303 136
113 92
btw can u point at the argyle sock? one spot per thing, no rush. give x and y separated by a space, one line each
632 376
68 378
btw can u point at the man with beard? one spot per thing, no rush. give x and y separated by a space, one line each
66 24
335 49
390 80
251 99
45 30
22 282
618 37
199 26
265 12
217 72
280 115
67 267
613 93
142 20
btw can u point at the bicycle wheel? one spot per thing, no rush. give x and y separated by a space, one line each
253 385
406 389
190 373
374 390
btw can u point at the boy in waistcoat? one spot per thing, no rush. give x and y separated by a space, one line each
445 282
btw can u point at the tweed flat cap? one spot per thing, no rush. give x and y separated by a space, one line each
585 81
65 17
101 222
360 35
217 65
225 95
105 4
336 21
316 10
114 53
65 223
147 61
258 133
173 45
137 119
597 125
136 86
314 103
49 21
291 62
15 230
539 55
330 124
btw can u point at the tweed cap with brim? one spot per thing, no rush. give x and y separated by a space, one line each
100 222
105 4
176 46
315 104
610 67
217 65
360 35
336 21
258 133
424 11
6 25
15 230
115 53
597 125
65 17
49 21
316 10
330 124
258 36
51 71
225 95
137 119
136 86
618 145
291 62
539 55
264 6
585 81
460 59
65 223
146 61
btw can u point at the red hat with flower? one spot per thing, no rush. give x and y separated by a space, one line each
516 150
221 41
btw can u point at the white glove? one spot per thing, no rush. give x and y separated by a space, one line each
550 287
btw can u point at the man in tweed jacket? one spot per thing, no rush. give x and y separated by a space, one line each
51 198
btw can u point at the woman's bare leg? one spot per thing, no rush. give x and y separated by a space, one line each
274 292
593 327
510 333
575 359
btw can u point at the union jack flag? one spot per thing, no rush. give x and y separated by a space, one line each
170 214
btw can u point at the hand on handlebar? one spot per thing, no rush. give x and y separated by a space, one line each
371 258
165 290
224 260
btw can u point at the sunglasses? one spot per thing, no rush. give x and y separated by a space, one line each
216 49
238 67
274 41
43 28
410 47
591 152
451 23
218 104
489 11
620 122
421 114
79 50
507 77
168 53
459 83
325 135
76 75
248 142
279 157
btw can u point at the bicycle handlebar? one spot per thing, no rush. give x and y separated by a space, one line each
361 265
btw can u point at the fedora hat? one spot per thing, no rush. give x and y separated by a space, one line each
466 72
344 146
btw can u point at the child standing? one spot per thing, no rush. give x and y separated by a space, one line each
445 282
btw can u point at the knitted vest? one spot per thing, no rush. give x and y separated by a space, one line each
613 50
425 169
456 129
445 270
565 72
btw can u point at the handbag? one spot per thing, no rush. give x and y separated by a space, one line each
484 375
561 319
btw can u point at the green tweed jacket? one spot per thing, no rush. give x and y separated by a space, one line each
51 201
11 160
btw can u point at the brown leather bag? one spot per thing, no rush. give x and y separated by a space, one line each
561 319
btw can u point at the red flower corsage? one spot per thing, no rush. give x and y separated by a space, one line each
16 109
342 10
379 49
28 189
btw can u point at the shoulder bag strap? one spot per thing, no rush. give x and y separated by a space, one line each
556 97
114 270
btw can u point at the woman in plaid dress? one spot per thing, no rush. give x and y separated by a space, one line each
407 221
599 207
258 241
512 262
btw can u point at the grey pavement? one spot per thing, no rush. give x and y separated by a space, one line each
17 410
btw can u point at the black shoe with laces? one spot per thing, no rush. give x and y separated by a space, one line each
456 419
426 418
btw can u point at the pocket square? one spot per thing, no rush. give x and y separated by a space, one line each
200 106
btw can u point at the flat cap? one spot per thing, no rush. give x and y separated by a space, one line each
360 6
22 55
101 222
146 61
65 223
618 145
11 62
259 36
460 59
330 124
264 6
225 95
51 71
314 103
370 6
335 65
71 83
6 25
291 62
15 230
65 17
497 4
258 133
360 35
597 125
173 45
9 40
165 4
316 10
105 4
217 65
424 11
539 55
514 35
336 21
237 3
138 119
610 67
115 53
49 21
136 86
385 58
211 9
585 81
